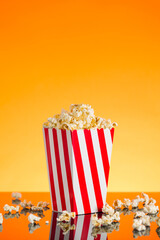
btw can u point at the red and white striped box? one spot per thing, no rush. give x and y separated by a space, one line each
78 167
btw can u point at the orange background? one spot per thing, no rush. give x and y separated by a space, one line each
105 53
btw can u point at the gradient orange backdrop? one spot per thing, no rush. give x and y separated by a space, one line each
105 53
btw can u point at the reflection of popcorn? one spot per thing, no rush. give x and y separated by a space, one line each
1 218
139 214
66 216
32 218
33 227
8 208
117 204
16 195
127 203
66 227
107 209
95 221
81 116
151 209
138 225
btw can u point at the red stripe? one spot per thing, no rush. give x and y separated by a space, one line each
61 188
85 228
98 237
80 171
112 134
104 153
53 226
68 171
93 166
53 194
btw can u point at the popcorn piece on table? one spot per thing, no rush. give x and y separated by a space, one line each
138 225
151 209
116 217
66 216
33 219
147 200
146 220
46 222
117 204
126 203
1 218
36 209
108 209
16 195
107 219
139 214
43 204
24 204
8 208
135 202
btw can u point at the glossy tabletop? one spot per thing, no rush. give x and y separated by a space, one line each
16 226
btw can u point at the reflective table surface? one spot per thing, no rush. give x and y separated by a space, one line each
16 225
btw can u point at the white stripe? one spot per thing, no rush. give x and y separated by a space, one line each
87 171
47 167
99 163
57 232
90 231
75 181
79 227
64 169
103 236
108 139
54 167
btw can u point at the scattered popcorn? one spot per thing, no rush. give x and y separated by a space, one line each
36 209
107 209
139 214
151 209
116 217
1 218
46 222
8 208
32 218
66 216
117 204
16 195
66 227
138 225
80 116
43 204
127 203
24 204
135 202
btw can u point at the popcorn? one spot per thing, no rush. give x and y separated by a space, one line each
147 200
138 225
151 209
95 221
32 218
146 220
117 204
66 216
127 203
16 195
135 202
116 217
1 218
10 215
43 204
8 208
137 234
107 209
46 222
33 227
36 209
139 214
80 116
24 204
107 220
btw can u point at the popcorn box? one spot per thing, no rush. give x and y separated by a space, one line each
78 228
78 168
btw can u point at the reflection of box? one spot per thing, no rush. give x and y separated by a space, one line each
83 229
78 166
